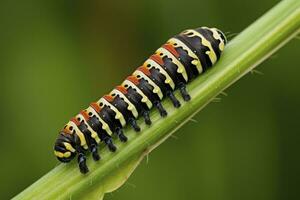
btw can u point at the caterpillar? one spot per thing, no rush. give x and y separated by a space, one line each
180 60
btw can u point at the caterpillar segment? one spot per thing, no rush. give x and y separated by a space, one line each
98 125
186 55
145 89
152 64
134 102
177 62
158 80
91 137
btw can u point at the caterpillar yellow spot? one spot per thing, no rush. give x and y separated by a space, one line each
69 147
62 155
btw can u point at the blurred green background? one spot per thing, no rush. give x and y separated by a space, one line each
57 56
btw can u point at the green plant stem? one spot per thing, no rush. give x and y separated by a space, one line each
242 54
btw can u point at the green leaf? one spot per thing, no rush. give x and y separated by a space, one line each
255 44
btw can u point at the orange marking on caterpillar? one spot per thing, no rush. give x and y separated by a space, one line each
96 107
108 98
133 79
171 49
157 59
145 70
85 115
65 130
121 89
75 121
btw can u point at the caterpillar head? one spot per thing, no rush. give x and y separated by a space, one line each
64 147
222 36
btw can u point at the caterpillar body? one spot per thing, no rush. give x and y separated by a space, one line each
177 62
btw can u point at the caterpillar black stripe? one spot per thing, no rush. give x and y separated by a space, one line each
177 62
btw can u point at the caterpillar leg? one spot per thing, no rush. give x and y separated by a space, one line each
108 141
134 125
160 108
82 163
174 100
94 151
185 95
120 134
146 115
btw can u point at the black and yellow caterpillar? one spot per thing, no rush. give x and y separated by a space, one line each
173 65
